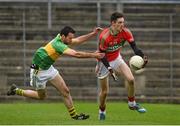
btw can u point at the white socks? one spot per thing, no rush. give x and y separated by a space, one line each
131 104
104 112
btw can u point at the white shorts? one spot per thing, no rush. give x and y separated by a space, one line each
103 71
39 78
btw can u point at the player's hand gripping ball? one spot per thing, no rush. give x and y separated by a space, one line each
136 62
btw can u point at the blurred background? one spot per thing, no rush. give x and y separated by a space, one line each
26 25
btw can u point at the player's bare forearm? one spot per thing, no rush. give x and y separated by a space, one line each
80 54
96 55
84 38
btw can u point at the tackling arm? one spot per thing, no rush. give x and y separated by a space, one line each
80 54
83 38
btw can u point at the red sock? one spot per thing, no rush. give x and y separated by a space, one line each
102 108
131 99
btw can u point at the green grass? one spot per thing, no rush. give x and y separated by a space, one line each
117 114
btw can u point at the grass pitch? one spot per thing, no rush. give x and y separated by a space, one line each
117 114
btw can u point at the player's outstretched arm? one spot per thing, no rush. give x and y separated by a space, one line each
83 38
80 54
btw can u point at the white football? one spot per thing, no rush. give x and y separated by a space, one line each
136 62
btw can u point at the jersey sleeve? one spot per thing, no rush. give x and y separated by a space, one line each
62 48
59 46
128 35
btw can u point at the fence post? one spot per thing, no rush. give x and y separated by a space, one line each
119 7
24 45
98 24
171 52
49 15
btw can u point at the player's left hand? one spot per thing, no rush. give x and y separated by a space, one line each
145 61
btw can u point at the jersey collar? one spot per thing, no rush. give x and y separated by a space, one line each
58 37
114 33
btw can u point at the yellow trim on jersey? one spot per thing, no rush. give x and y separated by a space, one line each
51 51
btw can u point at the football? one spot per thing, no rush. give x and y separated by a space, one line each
136 62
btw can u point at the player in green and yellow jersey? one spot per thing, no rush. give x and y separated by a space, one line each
42 69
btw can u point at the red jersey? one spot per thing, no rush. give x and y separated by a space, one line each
112 43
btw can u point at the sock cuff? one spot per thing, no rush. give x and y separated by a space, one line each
102 108
72 112
131 104
131 99
19 91
71 109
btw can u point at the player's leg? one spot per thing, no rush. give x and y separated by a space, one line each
40 94
102 74
103 91
38 79
126 72
122 68
60 85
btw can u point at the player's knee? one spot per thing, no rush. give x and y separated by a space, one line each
66 92
104 92
131 81
42 95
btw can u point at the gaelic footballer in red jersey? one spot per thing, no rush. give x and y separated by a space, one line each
111 40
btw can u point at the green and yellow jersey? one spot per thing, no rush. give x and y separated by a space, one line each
45 56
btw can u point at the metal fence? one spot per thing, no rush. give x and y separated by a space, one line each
40 20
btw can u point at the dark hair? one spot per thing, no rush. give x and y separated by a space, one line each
66 30
116 15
